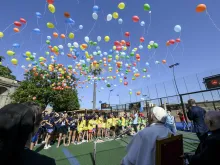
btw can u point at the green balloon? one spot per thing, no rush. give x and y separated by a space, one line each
155 45
146 7
108 85
132 54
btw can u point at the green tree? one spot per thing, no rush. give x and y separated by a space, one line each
41 87
5 71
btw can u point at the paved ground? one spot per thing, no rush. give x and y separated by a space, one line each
108 153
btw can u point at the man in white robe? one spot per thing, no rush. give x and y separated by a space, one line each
142 148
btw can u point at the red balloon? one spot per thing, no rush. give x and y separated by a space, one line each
16 23
178 40
50 1
67 15
172 41
22 20
127 34
134 64
135 18
128 44
117 43
125 83
118 48
142 39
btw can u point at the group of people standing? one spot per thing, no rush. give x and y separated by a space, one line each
77 129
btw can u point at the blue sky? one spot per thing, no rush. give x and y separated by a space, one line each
198 51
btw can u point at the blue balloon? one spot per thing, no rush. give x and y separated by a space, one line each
16 45
24 55
36 30
70 21
110 51
77 54
39 15
34 63
95 9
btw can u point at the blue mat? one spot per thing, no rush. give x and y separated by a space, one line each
179 126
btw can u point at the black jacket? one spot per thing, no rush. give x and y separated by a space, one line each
197 115
208 153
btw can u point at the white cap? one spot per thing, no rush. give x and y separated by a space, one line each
159 113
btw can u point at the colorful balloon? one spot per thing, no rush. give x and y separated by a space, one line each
50 1
115 15
107 38
1 34
146 7
200 8
67 15
109 17
127 34
18 24
135 18
51 8
177 28
38 15
14 61
120 21
121 5
71 36
22 20
95 16
10 53
36 30
50 25
178 40
95 9
142 23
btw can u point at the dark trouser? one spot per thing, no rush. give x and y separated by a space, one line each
135 127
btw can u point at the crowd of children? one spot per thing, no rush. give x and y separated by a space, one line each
75 129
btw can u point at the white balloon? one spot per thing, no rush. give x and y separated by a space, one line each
142 23
151 42
94 53
105 53
120 21
109 17
61 46
49 37
148 76
75 44
99 38
23 66
34 54
95 16
177 28
69 45
140 47
62 53
147 64
80 27
88 60
99 52
86 39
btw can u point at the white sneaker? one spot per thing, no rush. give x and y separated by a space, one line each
43 142
49 146
79 143
46 147
83 141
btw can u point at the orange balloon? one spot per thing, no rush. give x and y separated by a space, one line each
67 15
123 42
62 36
164 61
55 34
16 30
200 8
168 43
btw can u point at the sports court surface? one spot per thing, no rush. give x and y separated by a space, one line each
108 153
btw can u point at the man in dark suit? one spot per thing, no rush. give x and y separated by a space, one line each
197 115
208 151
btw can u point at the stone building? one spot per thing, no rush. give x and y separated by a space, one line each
7 87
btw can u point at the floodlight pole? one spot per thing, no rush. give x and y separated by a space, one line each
109 95
181 99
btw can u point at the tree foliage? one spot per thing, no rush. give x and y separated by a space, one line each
46 88
5 71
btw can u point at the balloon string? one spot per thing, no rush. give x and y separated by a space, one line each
45 8
167 53
172 56
55 19
7 27
92 28
177 43
24 27
38 23
149 25
212 21
183 49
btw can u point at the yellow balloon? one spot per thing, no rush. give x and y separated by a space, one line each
14 61
114 47
115 15
107 38
1 34
135 49
10 53
28 54
121 5
50 25
51 8
28 59
125 48
148 46
71 35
